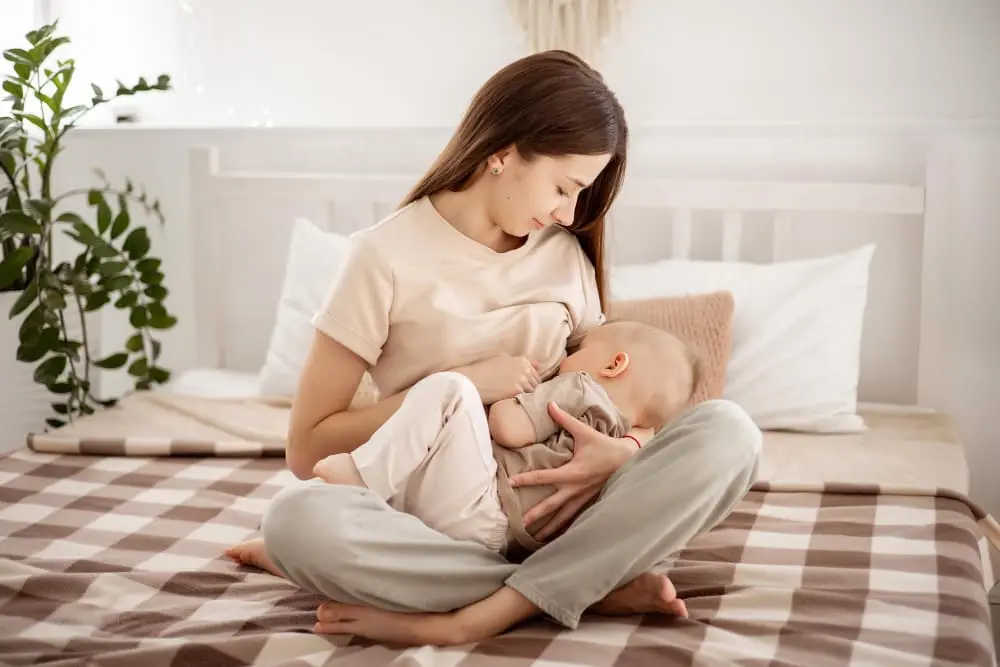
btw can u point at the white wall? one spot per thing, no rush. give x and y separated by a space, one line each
742 82
399 62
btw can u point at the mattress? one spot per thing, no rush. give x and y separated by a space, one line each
117 559
903 445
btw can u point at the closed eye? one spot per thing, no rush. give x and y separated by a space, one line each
562 193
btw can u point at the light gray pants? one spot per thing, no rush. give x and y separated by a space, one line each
346 544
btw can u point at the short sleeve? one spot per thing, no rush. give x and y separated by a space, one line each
590 314
570 392
357 306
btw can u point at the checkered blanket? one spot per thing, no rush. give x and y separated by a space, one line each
117 561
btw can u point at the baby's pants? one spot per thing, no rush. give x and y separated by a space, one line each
434 459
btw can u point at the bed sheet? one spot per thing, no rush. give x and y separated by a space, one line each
118 561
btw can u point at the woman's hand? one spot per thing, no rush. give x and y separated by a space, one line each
595 458
502 376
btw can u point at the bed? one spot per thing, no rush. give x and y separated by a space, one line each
857 546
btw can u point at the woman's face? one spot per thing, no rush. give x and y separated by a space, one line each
529 195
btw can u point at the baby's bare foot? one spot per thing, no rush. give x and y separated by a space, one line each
252 552
649 593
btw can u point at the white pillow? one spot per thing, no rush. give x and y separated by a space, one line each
314 257
796 332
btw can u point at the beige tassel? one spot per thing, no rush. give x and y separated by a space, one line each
579 26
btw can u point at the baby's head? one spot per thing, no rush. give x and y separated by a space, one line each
646 370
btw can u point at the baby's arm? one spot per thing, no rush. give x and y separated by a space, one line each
510 424
525 419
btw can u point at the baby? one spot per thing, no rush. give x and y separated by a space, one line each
445 459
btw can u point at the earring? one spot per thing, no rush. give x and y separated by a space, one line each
495 170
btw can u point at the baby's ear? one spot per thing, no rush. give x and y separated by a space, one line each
618 364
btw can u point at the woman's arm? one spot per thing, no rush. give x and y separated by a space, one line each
321 423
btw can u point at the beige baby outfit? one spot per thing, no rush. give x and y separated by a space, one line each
435 459
582 397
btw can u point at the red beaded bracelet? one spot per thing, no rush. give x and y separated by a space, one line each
635 440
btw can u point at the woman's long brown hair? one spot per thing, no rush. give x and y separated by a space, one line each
550 103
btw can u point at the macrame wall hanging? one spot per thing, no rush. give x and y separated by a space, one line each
579 26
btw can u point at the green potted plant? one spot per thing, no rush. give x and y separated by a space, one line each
66 256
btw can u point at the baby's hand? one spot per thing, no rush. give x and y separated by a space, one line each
510 425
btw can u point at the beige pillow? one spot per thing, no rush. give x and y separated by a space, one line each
703 321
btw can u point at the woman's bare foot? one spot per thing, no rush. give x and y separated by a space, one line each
411 629
649 593
252 552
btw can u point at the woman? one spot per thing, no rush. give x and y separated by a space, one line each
493 266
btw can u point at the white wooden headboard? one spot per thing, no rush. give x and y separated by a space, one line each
242 221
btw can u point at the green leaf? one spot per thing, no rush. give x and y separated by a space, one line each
104 251
60 408
152 277
120 224
113 267
30 353
37 121
60 387
40 206
12 267
47 337
162 321
112 361
50 369
157 292
71 217
19 56
138 317
148 264
115 283
14 88
16 222
137 243
94 197
55 423
103 217
69 113
127 300
27 297
159 374
34 320
134 343
138 368
86 233
97 300
157 347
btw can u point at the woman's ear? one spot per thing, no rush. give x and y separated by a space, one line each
496 162
618 365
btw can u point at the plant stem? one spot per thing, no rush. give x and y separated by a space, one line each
72 369
86 344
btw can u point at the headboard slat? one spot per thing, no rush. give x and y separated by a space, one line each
682 234
732 235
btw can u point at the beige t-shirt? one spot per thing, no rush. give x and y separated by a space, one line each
582 397
414 296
